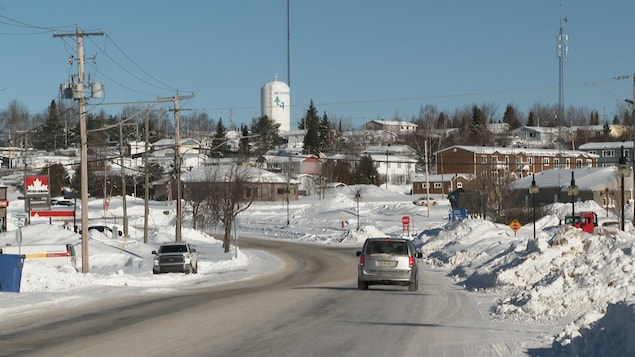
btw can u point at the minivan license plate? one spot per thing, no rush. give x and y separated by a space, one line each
386 263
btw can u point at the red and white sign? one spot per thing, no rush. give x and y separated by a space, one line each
36 185
405 220
4 203
52 213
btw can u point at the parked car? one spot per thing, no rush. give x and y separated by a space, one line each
388 261
423 201
103 229
175 257
65 203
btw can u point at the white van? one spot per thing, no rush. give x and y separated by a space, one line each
54 254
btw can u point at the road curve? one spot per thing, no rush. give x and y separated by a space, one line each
310 308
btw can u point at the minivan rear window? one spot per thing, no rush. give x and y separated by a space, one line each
384 247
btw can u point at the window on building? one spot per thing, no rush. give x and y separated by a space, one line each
589 163
608 153
483 159
578 163
459 185
567 163
438 185
556 162
545 161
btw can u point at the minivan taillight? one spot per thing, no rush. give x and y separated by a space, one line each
411 261
361 260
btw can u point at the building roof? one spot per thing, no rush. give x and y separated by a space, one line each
489 150
251 174
606 145
589 178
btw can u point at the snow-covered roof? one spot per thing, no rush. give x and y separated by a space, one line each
593 178
606 145
251 174
441 178
489 150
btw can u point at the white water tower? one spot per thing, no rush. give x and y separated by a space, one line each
275 101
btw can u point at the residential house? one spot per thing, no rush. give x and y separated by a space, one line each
609 152
394 126
262 185
440 185
399 150
191 152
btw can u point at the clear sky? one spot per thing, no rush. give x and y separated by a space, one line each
357 60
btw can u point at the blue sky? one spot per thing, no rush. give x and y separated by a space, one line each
357 60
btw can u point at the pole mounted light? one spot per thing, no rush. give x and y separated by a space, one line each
573 191
533 190
358 197
623 170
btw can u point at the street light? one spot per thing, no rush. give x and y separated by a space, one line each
607 199
573 191
623 170
386 169
533 189
358 197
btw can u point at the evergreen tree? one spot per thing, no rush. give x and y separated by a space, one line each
244 140
325 134
219 143
265 132
531 120
441 121
595 118
478 127
312 136
511 117
50 135
58 178
366 172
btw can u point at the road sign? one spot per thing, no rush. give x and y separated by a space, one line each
20 222
20 214
515 225
4 203
405 220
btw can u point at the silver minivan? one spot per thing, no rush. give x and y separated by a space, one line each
388 261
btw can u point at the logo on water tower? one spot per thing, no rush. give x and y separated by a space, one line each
278 102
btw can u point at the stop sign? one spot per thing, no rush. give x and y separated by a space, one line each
405 220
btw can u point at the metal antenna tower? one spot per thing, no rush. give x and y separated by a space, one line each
562 47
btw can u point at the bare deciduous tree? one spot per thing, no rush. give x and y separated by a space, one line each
231 192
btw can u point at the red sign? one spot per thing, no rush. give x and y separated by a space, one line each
405 220
36 185
4 203
52 213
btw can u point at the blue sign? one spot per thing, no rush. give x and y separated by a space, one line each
458 214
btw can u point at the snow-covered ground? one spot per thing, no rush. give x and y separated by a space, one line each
584 283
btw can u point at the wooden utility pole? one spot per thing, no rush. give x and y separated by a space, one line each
177 164
146 179
79 89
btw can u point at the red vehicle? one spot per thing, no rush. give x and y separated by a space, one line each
587 221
